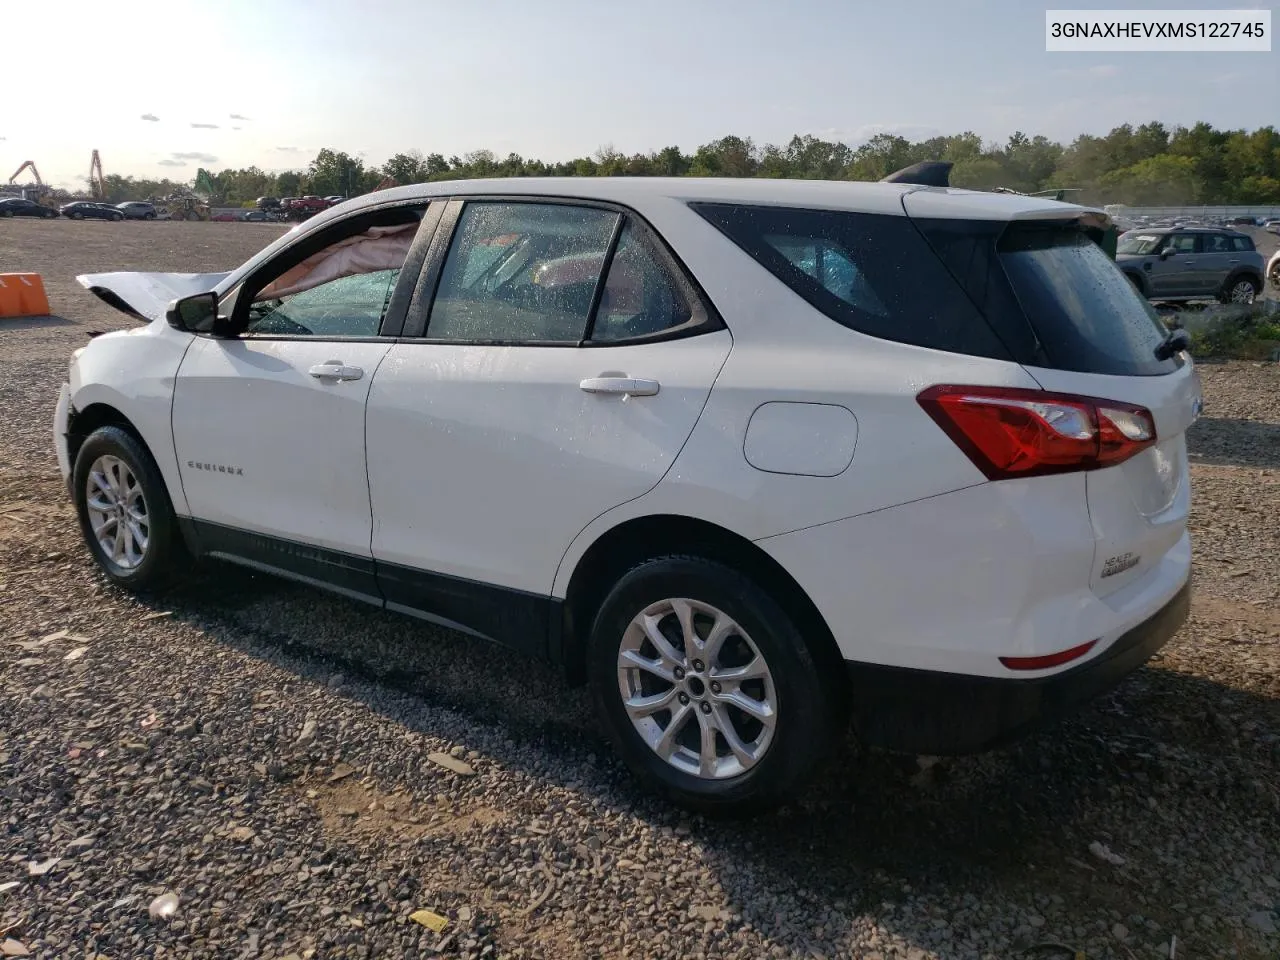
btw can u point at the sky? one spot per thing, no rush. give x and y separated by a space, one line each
233 83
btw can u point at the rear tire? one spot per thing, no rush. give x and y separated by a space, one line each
125 514
1239 290
720 758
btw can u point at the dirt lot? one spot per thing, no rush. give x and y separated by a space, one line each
260 750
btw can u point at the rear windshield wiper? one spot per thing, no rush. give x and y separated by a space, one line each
1175 341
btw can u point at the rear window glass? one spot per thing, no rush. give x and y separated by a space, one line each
1087 316
870 272
1241 244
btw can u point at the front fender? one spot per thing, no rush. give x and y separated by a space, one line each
134 373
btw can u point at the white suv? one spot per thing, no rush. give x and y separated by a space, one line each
754 458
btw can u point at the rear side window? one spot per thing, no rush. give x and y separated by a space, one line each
1085 313
641 295
870 272
1242 245
521 272
1217 243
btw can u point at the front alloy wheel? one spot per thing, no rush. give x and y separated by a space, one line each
124 510
697 689
117 510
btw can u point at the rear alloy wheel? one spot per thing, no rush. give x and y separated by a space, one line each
124 510
1242 290
708 688
691 665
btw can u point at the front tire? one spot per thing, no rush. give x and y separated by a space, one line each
707 687
125 514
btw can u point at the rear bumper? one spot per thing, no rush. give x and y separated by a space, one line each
939 714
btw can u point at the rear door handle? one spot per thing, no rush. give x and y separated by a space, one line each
1234 260
627 386
335 370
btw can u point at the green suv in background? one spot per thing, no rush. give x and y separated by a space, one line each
1191 263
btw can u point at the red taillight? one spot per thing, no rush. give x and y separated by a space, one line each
1011 432
1049 659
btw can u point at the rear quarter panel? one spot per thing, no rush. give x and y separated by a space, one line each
785 350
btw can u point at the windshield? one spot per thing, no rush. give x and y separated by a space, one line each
1086 314
1139 244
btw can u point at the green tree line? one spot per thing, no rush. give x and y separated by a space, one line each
1146 165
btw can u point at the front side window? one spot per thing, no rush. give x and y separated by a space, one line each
1138 244
1182 243
521 272
341 291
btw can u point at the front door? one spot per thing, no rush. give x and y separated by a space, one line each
544 393
1176 275
269 426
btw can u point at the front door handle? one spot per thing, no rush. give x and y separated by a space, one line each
335 370
627 386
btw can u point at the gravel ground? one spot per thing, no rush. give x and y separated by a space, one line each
262 752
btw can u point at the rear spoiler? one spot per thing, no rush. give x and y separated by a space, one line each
937 173
927 173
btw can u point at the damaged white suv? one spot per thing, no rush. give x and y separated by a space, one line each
755 458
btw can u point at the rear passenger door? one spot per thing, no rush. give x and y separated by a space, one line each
1215 263
555 360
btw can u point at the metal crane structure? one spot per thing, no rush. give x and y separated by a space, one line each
40 189
97 185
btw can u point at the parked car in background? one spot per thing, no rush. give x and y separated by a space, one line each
137 210
1272 226
333 201
258 216
1191 263
90 210
704 443
22 207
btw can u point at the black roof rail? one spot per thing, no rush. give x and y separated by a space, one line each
927 173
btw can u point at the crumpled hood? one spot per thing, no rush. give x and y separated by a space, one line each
147 295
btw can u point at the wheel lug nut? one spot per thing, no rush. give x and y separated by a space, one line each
706 707
715 686
684 699
678 673
697 665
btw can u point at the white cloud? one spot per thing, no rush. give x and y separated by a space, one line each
172 163
205 126
236 116
151 117
201 157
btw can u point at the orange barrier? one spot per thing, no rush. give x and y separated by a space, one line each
22 295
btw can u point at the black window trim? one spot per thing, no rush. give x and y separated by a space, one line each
392 320
705 317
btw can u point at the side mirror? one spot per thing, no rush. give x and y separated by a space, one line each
1166 253
195 314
